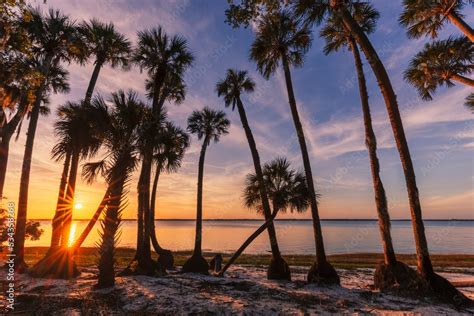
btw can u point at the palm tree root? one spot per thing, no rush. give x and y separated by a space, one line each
166 259
323 274
278 269
402 280
144 267
57 264
196 264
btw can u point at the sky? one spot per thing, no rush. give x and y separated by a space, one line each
440 132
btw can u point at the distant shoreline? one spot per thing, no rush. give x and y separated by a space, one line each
282 220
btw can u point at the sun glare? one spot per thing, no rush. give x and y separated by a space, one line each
77 206
72 234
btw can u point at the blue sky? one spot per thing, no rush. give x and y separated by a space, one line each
440 132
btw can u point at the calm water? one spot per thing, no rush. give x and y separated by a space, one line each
295 237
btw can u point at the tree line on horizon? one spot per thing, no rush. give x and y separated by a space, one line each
120 134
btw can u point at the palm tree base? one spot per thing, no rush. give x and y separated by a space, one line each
278 270
142 267
166 259
20 267
398 278
448 293
57 264
323 274
196 264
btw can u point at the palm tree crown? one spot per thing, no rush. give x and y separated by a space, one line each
279 38
286 188
208 124
105 43
439 63
170 152
427 17
235 82
336 34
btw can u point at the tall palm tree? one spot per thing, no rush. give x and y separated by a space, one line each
126 117
338 37
236 83
168 158
425 267
427 17
107 46
440 63
281 39
209 125
287 189
163 57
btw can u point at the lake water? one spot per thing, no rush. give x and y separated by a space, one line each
295 237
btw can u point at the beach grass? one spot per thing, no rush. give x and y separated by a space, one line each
88 256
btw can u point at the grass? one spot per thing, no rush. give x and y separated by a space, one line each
87 257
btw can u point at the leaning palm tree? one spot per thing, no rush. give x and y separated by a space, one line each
425 268
209 125
427 17
126 118
287 189
338 37
107 46
163 57
231 88
440 63
281 39
168 158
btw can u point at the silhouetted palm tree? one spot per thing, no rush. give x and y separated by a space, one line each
126 118
168 158
287 189
427 17
338 37
107 46
208 125
53 38
440 63
280 39
236 83
163 57
425 267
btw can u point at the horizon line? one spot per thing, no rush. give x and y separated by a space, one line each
277 219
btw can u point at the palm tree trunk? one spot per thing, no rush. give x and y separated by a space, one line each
144 256
461 24
258 171
318 234
198 239
20 227
463 80
69 203
371 143
423 258
7 133
92 82
154 240
106 277
60 205
105 200
261 229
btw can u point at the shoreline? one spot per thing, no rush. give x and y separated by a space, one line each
86 257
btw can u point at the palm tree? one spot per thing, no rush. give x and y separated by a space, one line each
163 57
427 17
231 88
107 46
209 125
287 189
338 37
280 39
425 267
168 158
440 63
126 118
